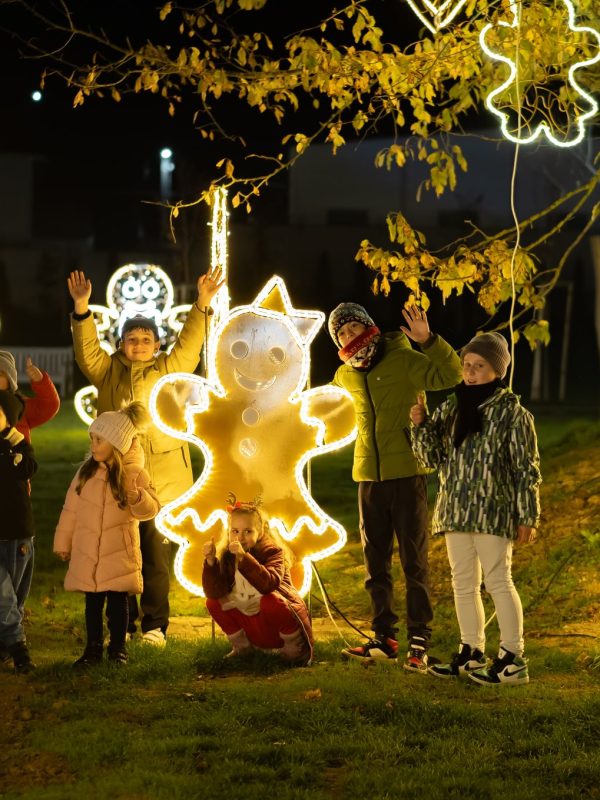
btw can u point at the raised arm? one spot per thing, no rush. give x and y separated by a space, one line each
91 359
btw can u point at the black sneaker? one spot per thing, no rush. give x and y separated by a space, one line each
379 649
416 658
117 655
507 668
462 663
21 658
91 656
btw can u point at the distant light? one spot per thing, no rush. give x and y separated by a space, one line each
166 152
36 96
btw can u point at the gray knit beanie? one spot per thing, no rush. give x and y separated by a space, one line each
347 312
491 346
9 367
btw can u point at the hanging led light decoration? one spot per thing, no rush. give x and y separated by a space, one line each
134 289
436 16
257 428
539 105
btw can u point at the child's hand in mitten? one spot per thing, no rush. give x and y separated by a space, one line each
133 459
133 496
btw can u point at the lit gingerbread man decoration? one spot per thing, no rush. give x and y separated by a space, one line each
257 428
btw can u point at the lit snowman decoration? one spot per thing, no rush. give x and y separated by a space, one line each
134 289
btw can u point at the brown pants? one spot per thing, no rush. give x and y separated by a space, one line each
396 509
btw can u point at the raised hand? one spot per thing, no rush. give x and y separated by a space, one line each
208 285
80 289
34 373
235 547
210 552
418 413
133 496
418 326
526 535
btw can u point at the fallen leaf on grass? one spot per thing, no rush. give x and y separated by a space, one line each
313 694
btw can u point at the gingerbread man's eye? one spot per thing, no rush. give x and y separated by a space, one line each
277 355
239 349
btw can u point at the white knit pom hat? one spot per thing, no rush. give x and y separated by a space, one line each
120 427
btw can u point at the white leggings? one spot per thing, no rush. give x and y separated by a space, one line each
468 554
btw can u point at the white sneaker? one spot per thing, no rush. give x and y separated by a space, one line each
155 637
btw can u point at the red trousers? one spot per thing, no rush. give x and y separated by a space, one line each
262 629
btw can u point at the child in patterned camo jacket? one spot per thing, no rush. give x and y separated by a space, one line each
483 444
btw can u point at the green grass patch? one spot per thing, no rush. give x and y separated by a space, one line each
184 723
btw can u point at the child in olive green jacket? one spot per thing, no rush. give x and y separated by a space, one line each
384 375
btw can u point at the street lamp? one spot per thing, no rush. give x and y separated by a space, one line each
166 174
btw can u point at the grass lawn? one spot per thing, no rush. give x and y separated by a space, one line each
181 723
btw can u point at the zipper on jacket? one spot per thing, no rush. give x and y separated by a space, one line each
372 404
95 568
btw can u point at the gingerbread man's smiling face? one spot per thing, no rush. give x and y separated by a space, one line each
259 358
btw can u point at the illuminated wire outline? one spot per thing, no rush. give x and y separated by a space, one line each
436 11
542 126
314 320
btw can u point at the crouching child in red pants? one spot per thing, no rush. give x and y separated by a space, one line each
249 592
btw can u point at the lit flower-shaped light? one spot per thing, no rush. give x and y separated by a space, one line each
257 428
544 50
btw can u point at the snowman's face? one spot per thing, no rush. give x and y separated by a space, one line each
259 358
141 289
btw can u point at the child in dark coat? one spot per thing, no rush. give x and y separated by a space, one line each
17 465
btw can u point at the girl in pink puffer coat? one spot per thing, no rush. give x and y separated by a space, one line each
98 529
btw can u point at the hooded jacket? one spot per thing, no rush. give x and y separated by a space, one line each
120 381
263 566
104 540
382 398
490 483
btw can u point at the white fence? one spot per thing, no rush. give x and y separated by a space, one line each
56 361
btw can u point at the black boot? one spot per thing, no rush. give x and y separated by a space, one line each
21 658
91 655
4 654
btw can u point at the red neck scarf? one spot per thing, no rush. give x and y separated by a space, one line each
360 351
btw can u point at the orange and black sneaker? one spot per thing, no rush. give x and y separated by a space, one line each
379 649
416 658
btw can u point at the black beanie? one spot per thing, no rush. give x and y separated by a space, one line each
144 323
11 405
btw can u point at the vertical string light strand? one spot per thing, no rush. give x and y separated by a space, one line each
218 257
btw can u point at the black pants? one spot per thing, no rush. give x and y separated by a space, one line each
117 615
154 600
396 509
